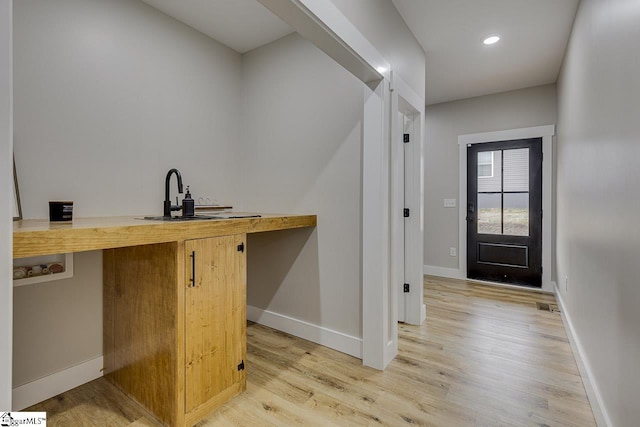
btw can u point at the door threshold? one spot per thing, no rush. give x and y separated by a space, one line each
511 286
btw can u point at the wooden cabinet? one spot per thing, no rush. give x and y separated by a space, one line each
215 313
175 325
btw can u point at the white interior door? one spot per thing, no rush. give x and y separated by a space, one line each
407 205
405 136
398 234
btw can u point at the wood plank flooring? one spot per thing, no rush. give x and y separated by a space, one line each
485 357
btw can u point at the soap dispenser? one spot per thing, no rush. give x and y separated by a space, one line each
188 205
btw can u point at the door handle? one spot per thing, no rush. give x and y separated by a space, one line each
193 269
471 207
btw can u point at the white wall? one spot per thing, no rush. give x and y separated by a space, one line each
302 116
598 238
6 193
444 123
108 97
380 22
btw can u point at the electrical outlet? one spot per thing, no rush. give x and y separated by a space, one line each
449 203
453 252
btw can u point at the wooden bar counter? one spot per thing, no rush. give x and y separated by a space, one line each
174 303
35 237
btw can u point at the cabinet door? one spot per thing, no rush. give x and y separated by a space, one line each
215 327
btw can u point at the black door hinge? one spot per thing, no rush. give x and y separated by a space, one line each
241 365
406 212
405 138
406 287
241 247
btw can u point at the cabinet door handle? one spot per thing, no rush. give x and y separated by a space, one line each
193 269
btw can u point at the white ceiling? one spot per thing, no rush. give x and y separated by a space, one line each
534 38
242 25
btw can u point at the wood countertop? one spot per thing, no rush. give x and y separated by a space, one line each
36 237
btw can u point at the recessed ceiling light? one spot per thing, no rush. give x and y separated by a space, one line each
491 40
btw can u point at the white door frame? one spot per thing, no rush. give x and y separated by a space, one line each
6 191
407 186
378 340
544 132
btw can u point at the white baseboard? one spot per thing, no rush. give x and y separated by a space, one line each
449 273
590 384
54 384
329 338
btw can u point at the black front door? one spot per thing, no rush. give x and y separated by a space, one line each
504 211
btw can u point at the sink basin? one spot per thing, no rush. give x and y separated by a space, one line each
182 218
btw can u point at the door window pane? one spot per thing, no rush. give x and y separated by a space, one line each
516 170
516 213
489 215
489 171
485 164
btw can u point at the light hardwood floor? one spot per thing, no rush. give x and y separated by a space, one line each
485 357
